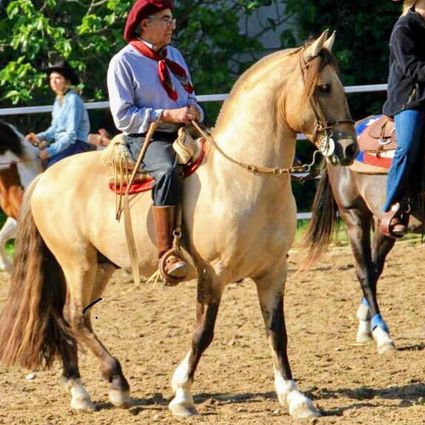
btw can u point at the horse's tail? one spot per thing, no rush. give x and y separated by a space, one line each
32 327
322 224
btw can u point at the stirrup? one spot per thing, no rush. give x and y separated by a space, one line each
394 222
176 275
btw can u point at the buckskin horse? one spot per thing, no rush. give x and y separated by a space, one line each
252 208
358 197
19 165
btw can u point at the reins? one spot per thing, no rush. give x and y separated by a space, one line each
326 145
254 169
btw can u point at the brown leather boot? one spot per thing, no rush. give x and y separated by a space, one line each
165 221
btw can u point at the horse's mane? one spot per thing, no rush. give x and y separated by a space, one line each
315 67
10 140
265 63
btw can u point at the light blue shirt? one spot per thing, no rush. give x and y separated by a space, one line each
70 122
136 95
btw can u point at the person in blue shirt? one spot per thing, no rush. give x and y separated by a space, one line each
70 126
149 80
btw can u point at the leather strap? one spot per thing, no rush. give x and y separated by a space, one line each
131 243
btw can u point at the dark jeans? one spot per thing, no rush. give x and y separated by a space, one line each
409 127
77 147
161 163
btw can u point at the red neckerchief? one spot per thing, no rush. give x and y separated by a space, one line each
165 65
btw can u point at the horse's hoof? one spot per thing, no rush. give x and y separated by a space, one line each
387 348
182 410
304 411
301 407
82 404
120 398
383 341
364 337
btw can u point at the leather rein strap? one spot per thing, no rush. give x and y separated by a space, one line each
323 128
249 167
131 243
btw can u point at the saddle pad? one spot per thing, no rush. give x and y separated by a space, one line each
144 182
376 133
370 162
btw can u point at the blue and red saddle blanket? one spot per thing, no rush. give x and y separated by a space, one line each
370 161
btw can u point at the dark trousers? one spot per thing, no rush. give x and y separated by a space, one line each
161 163
77 147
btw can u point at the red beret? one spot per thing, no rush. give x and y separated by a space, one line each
141 10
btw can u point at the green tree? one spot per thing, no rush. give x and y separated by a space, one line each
88 32
363 30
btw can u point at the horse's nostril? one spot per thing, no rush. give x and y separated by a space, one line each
351 151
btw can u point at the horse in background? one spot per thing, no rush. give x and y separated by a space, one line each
19 165
243 187
359 198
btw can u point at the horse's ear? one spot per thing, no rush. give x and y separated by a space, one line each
313 50
328 44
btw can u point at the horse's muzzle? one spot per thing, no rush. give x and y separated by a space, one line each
346 150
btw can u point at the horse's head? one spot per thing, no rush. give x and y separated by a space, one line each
10 140
317 105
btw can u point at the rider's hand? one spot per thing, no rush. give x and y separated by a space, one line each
33 139
183 115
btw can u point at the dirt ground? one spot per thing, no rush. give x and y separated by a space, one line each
149 329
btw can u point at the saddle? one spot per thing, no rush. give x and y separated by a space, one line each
378 136
190 154
377 144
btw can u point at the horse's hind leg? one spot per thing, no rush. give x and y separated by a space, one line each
381 246
86 283
80 398
208 301
270 293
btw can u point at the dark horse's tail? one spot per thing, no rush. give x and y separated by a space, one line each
322 224
32 327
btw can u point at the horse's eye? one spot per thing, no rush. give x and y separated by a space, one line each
324 88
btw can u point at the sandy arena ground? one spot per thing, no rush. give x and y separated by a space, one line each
149 328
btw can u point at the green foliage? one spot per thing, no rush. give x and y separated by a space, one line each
34 33
363 30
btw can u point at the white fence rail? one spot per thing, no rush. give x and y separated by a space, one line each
201 98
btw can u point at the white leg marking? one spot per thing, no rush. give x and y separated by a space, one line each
383 340
364 335
182 404
298 404
80 398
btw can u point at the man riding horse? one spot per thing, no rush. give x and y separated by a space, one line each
149 81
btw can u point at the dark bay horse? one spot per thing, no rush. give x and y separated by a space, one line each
240 221
358 198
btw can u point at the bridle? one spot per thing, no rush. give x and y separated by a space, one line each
323 129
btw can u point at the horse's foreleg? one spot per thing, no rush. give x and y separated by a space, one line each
208 302
270 294
7 232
